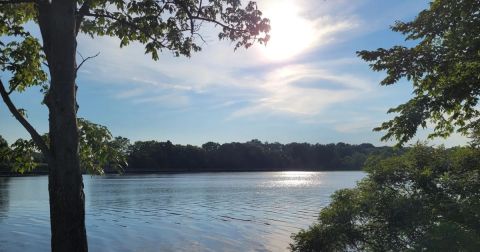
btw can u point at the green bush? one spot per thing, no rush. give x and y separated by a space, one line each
427 199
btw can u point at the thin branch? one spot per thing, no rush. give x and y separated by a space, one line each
12 89
190 16
201 37
198 17
219 23
200 6
84 60
37 139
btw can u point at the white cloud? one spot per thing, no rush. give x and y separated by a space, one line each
357 125
130 93
169 100
282 93
243 78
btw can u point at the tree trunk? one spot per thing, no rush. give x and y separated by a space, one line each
67 200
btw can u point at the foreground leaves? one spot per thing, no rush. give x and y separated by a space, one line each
98 151
443 68
425 200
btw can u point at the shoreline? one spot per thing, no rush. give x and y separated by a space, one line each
146 172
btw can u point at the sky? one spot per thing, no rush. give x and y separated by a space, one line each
306 85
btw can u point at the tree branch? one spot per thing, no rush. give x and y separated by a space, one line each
37 139
187 11
198 17
12 89
95 15
84 60
190 16
218 23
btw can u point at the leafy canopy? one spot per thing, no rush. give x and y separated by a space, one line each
444 68
425 200
158 24
172 25
20 52
99 150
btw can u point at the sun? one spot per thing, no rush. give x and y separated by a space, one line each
291 34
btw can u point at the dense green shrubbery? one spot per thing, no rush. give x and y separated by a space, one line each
427 199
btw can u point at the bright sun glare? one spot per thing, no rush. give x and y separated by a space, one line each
290 33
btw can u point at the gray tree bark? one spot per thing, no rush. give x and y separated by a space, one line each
67 200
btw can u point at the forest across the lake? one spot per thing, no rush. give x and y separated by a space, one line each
254 155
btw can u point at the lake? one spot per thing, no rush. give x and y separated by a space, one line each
247 211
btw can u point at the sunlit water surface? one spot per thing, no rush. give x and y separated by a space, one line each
255 211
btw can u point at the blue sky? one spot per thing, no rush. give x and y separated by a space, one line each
307 85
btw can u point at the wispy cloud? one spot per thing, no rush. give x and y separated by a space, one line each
356 125
249 83
320 89
263 86
129 93
168 100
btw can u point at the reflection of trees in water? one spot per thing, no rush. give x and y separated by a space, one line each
4 196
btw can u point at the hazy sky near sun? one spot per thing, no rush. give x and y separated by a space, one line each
307 85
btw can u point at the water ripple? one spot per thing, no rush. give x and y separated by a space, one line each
175 212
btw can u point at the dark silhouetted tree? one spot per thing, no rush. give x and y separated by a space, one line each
152 156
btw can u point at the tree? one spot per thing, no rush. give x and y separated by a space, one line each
98 151
249 156
427 199
443 68
158 24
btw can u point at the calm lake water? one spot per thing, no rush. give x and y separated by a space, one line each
255 211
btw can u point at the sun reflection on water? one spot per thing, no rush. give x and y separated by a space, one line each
294 179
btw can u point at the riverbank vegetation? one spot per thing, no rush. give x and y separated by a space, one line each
154 156
253 155
427 199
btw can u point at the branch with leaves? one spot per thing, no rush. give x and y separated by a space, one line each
172 25
99 151
443 68
31 130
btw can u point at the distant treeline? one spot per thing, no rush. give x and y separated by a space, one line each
153 156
